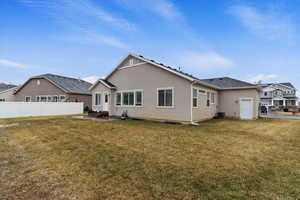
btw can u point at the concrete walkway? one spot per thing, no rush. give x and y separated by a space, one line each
277 116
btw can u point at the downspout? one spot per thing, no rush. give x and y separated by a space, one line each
191 103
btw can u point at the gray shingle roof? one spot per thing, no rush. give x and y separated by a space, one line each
226 82
69 85
222 82
171 68
4 86
268 84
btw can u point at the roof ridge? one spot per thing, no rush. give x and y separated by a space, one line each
66 77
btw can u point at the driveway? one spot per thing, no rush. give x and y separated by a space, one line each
277 116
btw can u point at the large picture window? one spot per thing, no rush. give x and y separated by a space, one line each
128 99
195 98
165 97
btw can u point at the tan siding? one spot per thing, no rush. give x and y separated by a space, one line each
148 78
229 101
8 95
32 89
204 112
86 99
100 88
45 87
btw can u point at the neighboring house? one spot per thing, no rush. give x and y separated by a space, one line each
149 90
278 95
7 92
54 88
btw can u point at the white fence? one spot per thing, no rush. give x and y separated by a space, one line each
27 109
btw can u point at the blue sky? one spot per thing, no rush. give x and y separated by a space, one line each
248 40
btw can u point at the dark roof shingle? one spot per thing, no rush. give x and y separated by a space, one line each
70 85
226 82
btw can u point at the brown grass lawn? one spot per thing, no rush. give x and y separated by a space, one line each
285 113
64 158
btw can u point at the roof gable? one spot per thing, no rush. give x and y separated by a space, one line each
66 84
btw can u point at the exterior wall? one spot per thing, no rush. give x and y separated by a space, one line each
229 101
8 95
204 112
32 89
99 88
149 78
86 99
45 87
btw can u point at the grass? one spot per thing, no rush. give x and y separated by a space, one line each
64 158
285 113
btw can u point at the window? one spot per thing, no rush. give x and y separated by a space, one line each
97 99
118 99
266 93
2 100
212 97
131 61
106 98
165 97
49 98
195 98
55 98
138 98
62 98
128 98
201 91
27 99
43 98
208 99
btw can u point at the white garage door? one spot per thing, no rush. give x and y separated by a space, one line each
246 109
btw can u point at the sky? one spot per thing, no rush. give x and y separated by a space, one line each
248 40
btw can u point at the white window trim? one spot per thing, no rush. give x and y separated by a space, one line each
55 96
173 97
134 98
26 98
195 98
211 97
96 100
62 96
208 97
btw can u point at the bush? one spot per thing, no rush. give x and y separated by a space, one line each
286 110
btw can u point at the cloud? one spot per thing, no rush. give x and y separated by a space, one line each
204 61
111 41
13 64
262 77
269 24
163 8
91 79
82 17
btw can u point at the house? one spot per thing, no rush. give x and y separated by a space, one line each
278 95
7 92
54 88
150 90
